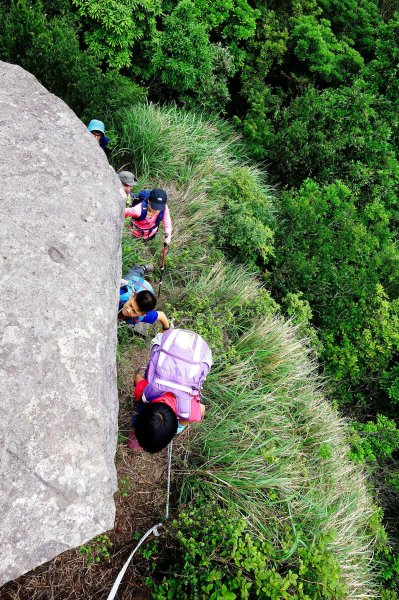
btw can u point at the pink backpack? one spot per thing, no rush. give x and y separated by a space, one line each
179 363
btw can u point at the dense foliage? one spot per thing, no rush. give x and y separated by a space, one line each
220 558
49 47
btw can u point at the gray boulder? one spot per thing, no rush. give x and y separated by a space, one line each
60 217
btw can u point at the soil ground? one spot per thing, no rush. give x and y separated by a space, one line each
140 504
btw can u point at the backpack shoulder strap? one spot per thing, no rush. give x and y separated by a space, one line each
143 214
159 217
140 284
143 196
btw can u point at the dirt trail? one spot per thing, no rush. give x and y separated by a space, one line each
140 504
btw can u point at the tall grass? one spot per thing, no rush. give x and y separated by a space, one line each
270 429
174 145
270 445
188 155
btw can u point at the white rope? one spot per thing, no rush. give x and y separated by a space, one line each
118 580
168 479
153 530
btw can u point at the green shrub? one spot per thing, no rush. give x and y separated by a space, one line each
216 556
336 255
339 133
112 28
247 217
315 44
96 551
373 440
300 312
355 21
390 383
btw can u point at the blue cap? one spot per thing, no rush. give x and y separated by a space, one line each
95 125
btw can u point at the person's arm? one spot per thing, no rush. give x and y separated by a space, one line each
187 421
138 377
163 320
139 384
134 211
167 225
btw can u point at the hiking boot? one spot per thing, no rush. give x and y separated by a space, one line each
148 268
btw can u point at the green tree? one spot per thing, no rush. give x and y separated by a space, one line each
247 218
49 48
336 133
112 27
187 63
341 257
354 20
315 44
383 73
231 22
374 439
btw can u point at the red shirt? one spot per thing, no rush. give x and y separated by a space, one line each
170 399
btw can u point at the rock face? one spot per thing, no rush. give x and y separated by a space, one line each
60 219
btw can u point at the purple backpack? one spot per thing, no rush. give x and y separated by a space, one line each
179 362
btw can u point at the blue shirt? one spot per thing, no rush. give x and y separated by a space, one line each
135 285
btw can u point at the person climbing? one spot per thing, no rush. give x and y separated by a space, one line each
97 129
128 180
149 213
169 392
137 300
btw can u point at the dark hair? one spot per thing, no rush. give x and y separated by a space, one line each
146 301
155 426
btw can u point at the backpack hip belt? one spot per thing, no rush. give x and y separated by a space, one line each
142 230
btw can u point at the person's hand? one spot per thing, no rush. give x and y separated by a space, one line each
137 376
167 239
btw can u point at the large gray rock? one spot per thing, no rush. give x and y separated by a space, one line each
61 217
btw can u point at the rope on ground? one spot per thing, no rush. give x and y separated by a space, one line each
118 580
170 447
153 530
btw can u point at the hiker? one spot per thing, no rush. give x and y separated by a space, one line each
149 213
169 392
128 180
137 299
97 129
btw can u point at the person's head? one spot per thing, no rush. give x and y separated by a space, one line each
139 304
155 426
128 180
157 200
97 129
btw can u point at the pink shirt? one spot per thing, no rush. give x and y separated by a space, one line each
135 213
